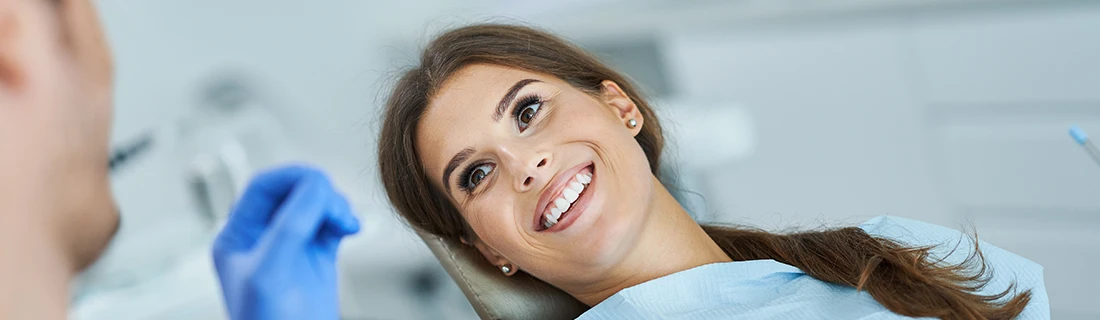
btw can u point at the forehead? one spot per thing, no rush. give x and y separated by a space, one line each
461 112
479 86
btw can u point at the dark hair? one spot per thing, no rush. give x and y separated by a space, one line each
903 279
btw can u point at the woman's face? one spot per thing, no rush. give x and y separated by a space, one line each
549 177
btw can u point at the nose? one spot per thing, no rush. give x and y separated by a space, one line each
529 168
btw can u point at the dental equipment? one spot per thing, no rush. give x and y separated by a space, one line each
1083 140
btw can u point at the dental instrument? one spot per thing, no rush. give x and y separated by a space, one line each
1083 140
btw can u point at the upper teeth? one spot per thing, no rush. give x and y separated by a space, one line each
572 191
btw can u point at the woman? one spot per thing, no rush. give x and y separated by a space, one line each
544 159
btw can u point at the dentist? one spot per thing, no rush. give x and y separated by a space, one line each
276 256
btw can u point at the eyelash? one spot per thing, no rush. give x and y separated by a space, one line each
464 184
468 173
524 104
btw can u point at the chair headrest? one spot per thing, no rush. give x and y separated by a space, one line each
496 296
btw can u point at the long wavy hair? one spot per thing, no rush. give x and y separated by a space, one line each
903 279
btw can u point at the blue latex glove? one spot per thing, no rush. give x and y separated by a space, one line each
276 256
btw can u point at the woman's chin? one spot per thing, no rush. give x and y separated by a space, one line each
602 242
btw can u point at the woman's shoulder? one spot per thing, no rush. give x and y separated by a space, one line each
950 244
954 247
916 233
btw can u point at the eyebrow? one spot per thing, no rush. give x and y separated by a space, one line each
511 95
453 164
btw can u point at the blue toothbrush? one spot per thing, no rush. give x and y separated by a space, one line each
1083 140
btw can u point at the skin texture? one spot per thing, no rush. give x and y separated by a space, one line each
631 231
56 209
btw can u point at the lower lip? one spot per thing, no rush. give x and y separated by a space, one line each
578 207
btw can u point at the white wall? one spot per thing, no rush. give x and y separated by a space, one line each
947 116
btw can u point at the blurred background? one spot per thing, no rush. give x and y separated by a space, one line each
784 113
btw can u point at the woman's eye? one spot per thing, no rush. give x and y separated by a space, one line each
479 173
527 114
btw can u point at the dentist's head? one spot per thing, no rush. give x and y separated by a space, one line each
55 116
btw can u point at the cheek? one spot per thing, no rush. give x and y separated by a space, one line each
614 143
590 124
494 220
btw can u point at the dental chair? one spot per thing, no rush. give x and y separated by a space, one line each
496 296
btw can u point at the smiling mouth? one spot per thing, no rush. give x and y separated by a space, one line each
560 207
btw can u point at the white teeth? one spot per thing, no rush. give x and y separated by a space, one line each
551 218
584 178
570 195
576 186
562 204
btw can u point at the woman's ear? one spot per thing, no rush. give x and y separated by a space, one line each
623 106
493 256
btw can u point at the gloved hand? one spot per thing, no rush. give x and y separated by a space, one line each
276 256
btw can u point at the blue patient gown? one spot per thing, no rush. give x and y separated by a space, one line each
766 289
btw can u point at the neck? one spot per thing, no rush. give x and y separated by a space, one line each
35 272
670 242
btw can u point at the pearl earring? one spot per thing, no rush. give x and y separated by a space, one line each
631 123
506 269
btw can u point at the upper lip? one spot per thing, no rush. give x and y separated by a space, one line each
554 188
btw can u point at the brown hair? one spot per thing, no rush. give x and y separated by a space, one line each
903 279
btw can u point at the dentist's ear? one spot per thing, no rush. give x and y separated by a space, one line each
494 257
15 20
623 106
